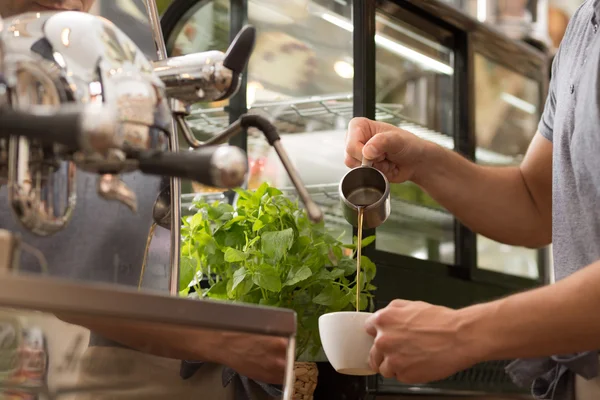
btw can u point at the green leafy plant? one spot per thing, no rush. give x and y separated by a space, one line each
266 251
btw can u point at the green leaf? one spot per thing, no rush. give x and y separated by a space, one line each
233 221
364 301
206 244
251 243
187 270
261 191
297 274
218 258
244 288
341 301
195 221
337 273
238 277
267 278
271 302
221 211
243 194
275 245
348 265
258 224
337 252
217 291
235 237
274 192
234 255
368 267
328 296
367 241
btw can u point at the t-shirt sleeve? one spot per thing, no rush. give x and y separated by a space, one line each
546 125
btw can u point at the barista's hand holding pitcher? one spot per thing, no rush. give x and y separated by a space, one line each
395 152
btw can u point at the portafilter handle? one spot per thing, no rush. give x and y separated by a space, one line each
88 128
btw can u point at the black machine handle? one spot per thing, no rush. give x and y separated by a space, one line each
217 166
239 51
90 128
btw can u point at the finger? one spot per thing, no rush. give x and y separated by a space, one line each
389 142
375 359
386 167
386 369
370 325
351 162
359 132
399 303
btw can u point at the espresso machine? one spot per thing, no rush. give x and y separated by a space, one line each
76 94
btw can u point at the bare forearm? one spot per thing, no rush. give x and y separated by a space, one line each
258 357
493 201
556 319
170 342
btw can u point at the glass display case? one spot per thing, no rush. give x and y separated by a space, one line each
518 19
415 76
507 111
420 65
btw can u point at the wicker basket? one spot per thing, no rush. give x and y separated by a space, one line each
306 374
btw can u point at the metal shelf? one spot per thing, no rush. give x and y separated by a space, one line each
317 113
437 223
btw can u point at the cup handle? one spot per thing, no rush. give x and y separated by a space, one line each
367 163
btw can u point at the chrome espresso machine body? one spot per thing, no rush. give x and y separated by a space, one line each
77 94
56 59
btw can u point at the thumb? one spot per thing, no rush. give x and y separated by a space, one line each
386 142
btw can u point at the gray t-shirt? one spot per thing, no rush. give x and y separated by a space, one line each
571 120
104 241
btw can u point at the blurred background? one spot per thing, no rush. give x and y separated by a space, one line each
301 77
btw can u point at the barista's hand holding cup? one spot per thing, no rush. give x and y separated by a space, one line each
346 342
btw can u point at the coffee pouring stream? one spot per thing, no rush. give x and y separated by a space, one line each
79 94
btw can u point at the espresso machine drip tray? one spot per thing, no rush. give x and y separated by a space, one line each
46 324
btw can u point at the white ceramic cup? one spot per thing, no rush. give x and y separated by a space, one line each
346 342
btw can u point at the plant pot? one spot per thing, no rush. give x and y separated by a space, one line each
306 374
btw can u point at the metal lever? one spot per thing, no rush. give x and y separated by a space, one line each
256 121
207 76
241 48
220 166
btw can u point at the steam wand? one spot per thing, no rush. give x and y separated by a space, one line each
270 131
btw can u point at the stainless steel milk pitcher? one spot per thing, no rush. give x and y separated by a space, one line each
366 187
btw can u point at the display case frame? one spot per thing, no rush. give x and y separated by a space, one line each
470 36
463 283
456 284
